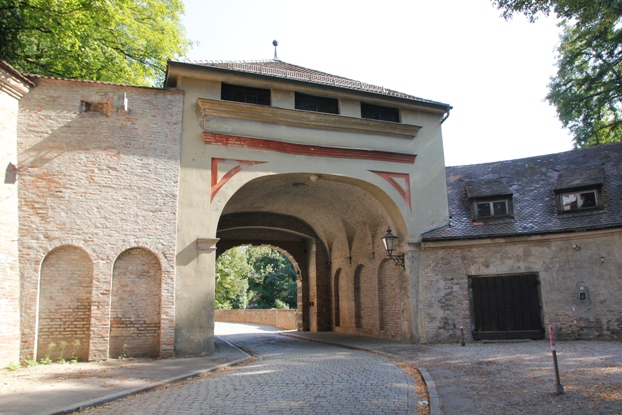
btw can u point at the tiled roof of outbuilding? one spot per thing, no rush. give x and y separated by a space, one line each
532 182
280 69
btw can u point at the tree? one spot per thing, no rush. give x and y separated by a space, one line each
587 88
125 41
272 284
258 277
232 269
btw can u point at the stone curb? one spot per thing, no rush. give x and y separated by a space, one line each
435 404
120 395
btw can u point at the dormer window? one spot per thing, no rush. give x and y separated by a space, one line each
378 112
579 200
317 104
579 189
494 209
245 94
489 199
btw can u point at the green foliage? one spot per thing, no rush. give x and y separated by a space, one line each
255 277
273 277
12 366
587 89
61 358
47 360
124 41
232 269
32 362
124 355
582 10
74 358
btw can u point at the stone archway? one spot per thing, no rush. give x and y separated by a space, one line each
327 223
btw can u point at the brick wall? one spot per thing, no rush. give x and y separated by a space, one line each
283 319
367 288
10 92
65 303
135 310
103 181
390 306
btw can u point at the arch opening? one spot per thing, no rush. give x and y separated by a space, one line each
327 223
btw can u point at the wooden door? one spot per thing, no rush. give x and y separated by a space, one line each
506 307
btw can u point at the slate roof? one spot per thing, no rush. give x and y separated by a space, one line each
279 69
532 182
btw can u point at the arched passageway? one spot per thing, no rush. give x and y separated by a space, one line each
332 227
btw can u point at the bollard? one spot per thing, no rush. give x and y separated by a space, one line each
461 331
576 326
558 385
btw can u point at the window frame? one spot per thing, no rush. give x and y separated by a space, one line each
561 193
380 110
247 91
318 101
509 208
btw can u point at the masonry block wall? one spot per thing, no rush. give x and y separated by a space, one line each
102 177
565 265
135 310
11 90
367 288
65 304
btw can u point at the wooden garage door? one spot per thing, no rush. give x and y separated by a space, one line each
506 307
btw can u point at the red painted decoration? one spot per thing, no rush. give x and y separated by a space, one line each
239 165
306 150
401 183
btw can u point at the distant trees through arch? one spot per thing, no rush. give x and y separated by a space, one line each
255 277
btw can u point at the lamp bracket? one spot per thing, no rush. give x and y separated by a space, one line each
399 260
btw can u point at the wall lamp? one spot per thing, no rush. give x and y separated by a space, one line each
389 241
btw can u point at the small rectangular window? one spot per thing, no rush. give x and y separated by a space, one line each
578 200
378 112
317 104
245 94
497 208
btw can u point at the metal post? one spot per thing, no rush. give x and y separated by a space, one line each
461 331
576 326
558 385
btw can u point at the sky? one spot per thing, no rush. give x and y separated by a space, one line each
493 72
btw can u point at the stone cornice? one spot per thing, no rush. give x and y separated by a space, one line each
518 239
305 119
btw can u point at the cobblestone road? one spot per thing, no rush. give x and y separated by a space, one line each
290 377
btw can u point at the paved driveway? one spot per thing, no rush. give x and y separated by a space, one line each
290 376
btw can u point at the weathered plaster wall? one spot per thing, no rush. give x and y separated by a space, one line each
564 263
11 90
104 181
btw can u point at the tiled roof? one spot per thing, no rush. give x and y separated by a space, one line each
5 65
532 182
279 69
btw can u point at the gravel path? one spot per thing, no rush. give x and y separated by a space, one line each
518 378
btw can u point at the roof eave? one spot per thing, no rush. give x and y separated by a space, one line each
512 235
428 104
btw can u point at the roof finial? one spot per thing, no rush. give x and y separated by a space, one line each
275 43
